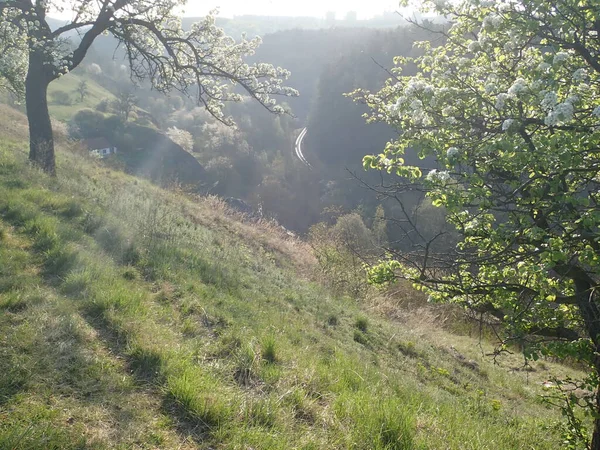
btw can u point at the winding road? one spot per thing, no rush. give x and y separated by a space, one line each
298 147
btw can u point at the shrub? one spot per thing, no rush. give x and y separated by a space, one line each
103 106
61 98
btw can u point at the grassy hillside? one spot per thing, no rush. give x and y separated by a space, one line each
68 84
133 317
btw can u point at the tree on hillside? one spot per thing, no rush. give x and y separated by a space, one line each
196 63
82 90
182 138
509 107
124 104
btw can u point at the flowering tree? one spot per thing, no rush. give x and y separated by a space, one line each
13 64
182 138
201 62
509 107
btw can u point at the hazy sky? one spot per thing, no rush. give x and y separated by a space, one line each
318 8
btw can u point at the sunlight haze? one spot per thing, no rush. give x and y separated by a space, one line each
316 8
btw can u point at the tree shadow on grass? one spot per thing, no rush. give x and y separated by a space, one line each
147 367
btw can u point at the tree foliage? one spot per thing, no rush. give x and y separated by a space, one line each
509 108
13 64
182 138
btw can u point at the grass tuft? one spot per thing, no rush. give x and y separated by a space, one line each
269 349
362 323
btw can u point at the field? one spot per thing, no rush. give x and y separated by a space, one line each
136 317
68 84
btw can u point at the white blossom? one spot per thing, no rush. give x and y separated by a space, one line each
560 57
561 114
580 75
416 105
418 86
549 100
519 86
452 152
536 85
474 46
544 67
492 21
509 46
508 124
438 176
572 99
501 100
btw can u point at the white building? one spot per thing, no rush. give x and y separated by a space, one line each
100 146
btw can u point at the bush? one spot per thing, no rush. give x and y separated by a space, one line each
103 106
341 252
61 98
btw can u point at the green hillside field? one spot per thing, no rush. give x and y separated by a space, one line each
68 84
136 317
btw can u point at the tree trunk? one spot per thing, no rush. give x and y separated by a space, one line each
590 311
41 140
595 445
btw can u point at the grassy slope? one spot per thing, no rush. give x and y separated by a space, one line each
69 83
132 317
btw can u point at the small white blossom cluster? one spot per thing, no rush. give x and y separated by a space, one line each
474 46
410 103
501 100
438 176
385 163
560 57
492 21
562 113
544 67
519 86
572 99
508 124
452 152
549 101
504 7
580 75
536 85
416 86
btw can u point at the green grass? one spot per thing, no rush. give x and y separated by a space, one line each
199 331
68 84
